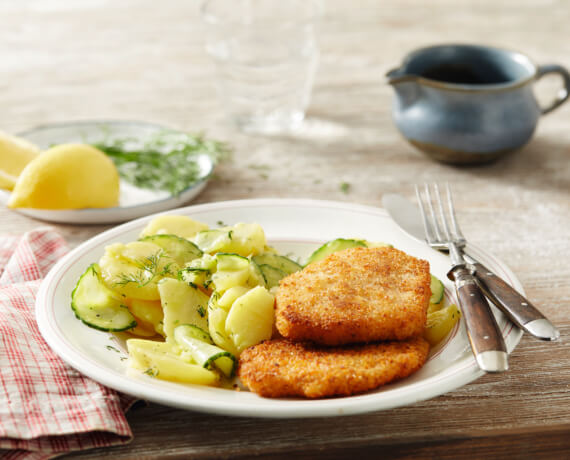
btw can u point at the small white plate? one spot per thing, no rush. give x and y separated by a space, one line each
292 226
133 201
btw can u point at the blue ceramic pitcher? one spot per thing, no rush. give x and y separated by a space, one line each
468 104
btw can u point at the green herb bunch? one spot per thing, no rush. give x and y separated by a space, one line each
168 160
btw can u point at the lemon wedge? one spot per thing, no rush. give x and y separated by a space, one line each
68 176
440 322
15 154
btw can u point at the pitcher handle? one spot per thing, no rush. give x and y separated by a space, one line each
564 93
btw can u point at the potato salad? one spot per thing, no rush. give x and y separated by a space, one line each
193 298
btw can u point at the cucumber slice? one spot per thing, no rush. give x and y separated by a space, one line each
282 263
179 249
205 354
206 262
256 276
436 287
97 306
333 246
272 275
228 261
194 276
195 332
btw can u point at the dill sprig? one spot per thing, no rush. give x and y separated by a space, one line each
167 160
152 372
149 270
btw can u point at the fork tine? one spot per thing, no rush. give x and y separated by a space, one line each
436 225
428 229
456 230
439 203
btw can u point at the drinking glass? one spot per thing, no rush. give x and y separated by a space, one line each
266 55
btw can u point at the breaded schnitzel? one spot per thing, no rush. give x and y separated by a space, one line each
355 295
279 367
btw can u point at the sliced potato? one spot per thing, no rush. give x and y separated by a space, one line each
229 297
143 329
164 361
127 279
250 319
242 239
224 280
182 304
149 312
181 226
134 269
217 326
135 251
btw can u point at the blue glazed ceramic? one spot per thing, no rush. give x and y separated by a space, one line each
467 104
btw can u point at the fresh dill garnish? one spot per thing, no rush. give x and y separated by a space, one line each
149 270
152 372
110 347
168 160
344 187
230 234
201 311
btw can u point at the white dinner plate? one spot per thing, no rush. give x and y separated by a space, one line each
292 226
133 201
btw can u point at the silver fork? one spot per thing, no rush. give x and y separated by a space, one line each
442 232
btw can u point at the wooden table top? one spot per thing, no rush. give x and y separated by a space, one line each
144 60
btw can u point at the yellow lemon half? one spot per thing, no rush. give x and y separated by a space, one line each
15 154
68 176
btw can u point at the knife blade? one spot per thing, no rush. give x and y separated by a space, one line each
515 306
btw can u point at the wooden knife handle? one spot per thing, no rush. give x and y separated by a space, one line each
484 335
519 309
514 304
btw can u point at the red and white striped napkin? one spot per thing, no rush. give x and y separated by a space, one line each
46 407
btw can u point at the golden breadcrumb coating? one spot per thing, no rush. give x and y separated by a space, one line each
278 368
355 295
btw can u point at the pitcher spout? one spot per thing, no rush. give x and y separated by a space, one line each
399 75
406 86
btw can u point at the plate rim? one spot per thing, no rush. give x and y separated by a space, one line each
466 373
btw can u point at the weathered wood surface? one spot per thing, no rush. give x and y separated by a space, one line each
145 60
